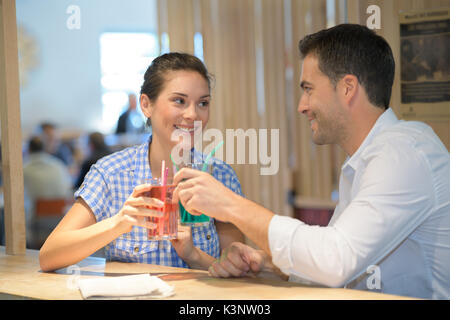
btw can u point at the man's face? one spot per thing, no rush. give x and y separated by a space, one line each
320 103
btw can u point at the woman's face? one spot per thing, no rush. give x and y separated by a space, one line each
184 99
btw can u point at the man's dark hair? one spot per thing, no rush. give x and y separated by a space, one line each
357 50
46 125
35 144
97 139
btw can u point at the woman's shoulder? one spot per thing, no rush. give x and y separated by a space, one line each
222 165
223 172
120 160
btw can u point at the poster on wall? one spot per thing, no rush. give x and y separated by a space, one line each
425 64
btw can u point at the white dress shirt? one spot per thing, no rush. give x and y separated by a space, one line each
390 231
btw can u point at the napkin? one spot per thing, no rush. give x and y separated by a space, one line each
125 286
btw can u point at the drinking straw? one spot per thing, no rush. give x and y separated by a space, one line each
166 175
163 172
163 192
174 163
163 180
205 164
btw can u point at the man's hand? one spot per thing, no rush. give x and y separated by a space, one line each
237 261
200 194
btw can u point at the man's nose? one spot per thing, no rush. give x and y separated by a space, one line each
303 104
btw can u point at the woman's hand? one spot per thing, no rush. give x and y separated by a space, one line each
137 208
184 245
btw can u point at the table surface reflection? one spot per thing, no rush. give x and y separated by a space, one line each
21 277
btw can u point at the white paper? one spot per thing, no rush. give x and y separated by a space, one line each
125 286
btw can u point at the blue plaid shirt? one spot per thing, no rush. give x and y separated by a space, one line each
112 180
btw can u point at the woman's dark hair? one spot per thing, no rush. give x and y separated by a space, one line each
357 50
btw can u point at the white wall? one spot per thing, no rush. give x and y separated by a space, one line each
65 87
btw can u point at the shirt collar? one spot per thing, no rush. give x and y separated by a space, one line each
141 165
385 120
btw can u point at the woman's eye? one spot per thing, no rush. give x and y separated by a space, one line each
179 101
204 104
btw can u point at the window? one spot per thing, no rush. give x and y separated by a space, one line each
124 58
331 13
198 45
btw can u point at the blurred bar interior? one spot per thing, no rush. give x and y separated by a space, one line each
79 61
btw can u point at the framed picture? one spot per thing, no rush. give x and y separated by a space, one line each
425 64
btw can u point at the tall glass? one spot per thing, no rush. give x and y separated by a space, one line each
167 224
185 217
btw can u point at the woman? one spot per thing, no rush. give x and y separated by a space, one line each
109 210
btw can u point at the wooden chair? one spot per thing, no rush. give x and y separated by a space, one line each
47 214
50 207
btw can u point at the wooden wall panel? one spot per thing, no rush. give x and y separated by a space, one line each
303 178
180 14
275 84
11 133
315 171
236 33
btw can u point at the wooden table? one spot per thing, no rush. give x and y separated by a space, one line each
21 277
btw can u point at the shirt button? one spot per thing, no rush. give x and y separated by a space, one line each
208 236
136 249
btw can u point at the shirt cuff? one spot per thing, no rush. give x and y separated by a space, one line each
281 232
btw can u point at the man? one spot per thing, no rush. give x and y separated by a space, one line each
129 121
98 149
53 145
390 229
45 176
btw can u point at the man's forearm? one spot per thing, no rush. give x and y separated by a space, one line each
252 219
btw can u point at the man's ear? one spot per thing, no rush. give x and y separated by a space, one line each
146 105
349 86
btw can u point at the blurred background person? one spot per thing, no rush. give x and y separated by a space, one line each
53 145
130 121
97 150
1 181
45 177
